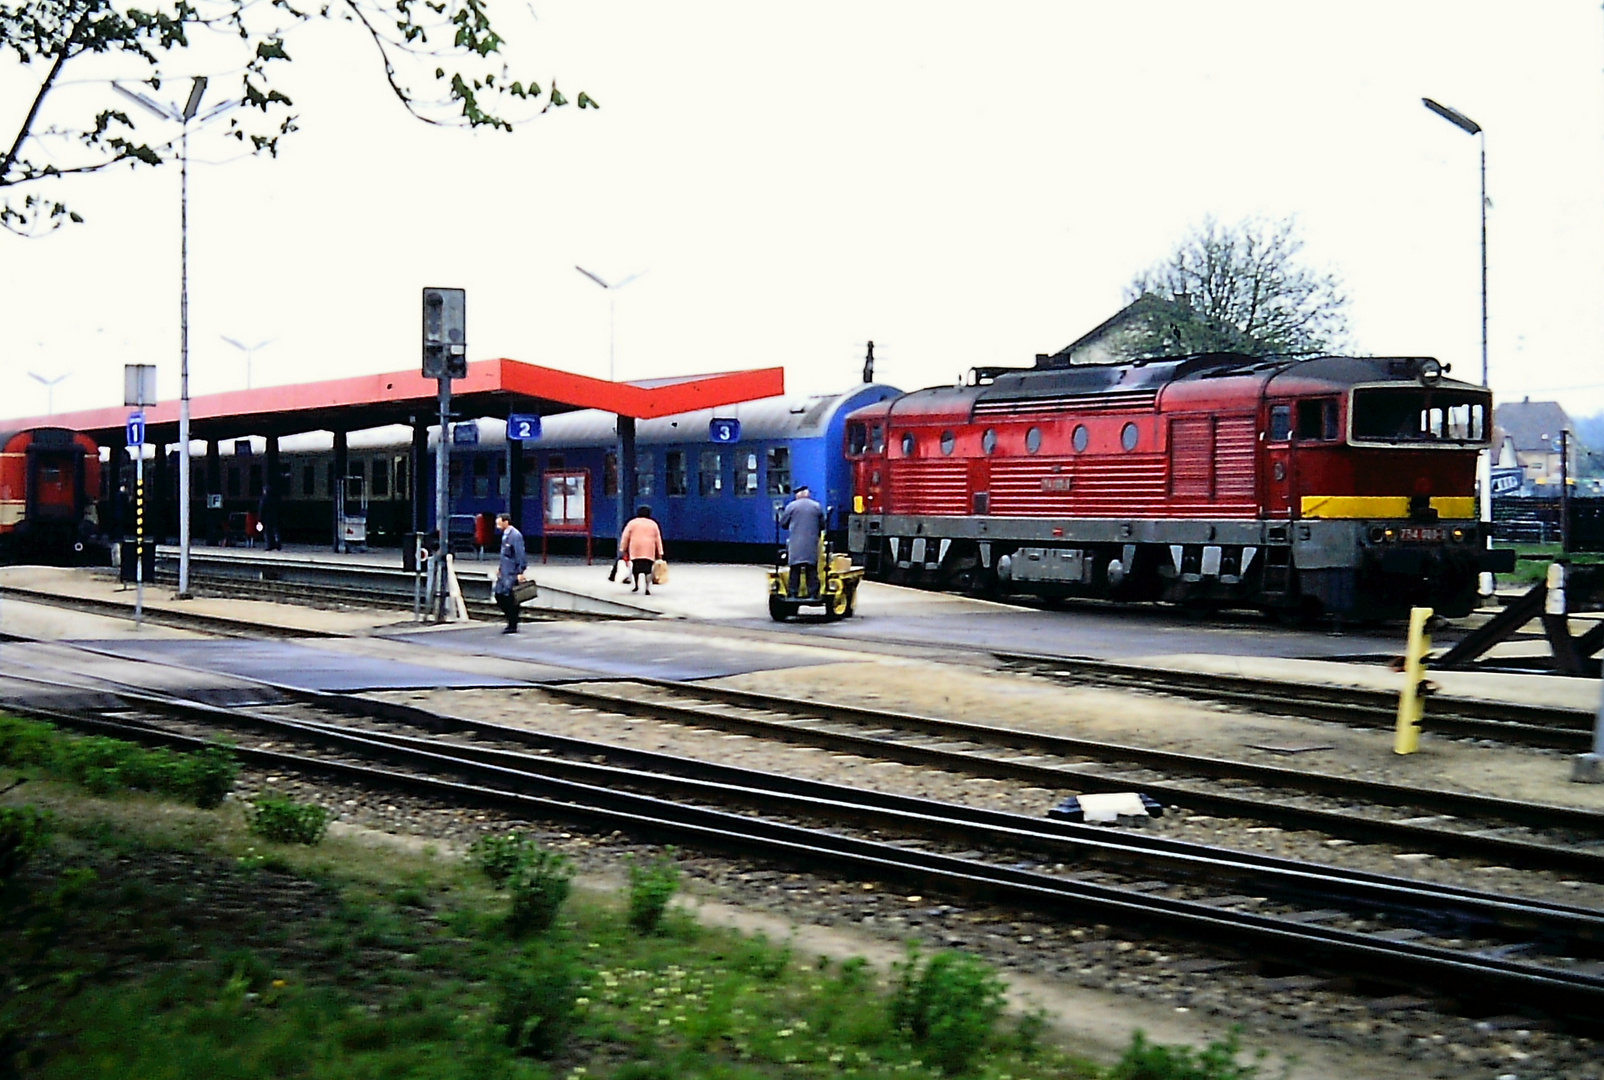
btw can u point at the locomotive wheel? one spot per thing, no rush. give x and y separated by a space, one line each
780 608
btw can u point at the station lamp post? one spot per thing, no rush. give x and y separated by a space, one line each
626 441
249 351
50 389
185 116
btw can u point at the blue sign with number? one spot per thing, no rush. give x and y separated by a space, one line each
136 429
465 433
524 427
723 430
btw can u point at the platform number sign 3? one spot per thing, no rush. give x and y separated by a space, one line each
524 427
723 430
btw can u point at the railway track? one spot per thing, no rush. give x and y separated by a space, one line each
1467 945
1505 722
1451 823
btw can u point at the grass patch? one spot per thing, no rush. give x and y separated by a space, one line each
151 940
1532 561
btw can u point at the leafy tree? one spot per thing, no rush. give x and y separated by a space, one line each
1238 288
441 59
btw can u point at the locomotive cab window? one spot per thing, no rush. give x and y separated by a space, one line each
877 439
1317 420
1280 423
857 439
1410 415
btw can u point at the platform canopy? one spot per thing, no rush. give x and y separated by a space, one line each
492 388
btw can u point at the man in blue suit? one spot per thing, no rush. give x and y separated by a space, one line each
510 571
804 520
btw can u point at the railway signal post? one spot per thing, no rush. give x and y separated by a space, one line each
445 357
139 390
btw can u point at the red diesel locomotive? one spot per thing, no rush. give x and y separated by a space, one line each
1335 484
49 478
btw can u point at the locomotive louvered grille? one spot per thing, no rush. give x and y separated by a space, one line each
930 487
1127 487
1192 456
1235 443
1115 401
1025 487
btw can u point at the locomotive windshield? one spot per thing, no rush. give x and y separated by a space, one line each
1420 415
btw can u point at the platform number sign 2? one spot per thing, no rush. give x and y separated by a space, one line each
723 430
524 427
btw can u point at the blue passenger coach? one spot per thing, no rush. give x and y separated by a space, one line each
714 501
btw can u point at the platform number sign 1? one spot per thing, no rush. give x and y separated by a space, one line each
136 429
524 427
724 430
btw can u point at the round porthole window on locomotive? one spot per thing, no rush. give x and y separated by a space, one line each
1081 439
988 441
907 444
1127 436
1033 440
948 441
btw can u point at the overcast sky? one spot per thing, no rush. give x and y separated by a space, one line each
963 183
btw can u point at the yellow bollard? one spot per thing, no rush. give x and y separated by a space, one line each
1412 701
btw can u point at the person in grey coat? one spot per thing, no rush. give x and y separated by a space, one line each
510 571
804 520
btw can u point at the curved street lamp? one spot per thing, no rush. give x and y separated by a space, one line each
249 351
1470 127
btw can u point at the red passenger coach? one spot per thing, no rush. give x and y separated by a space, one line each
49 478
1333 484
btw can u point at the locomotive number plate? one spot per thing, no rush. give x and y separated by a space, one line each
1422 535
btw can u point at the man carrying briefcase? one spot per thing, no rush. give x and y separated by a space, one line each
510 572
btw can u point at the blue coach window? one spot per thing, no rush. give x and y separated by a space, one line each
779 470
643 475
746 478
677 481
710 474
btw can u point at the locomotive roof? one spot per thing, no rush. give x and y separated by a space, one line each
1140 382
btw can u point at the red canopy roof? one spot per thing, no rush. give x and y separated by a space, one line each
492 388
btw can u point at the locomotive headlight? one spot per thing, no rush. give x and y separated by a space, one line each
1430 370
1377 534
1459 535
1389 535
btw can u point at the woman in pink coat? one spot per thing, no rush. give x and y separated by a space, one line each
642 545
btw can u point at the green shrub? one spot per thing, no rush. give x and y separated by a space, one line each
539 885
286 821
1143 1060
23 830
499 856
536 1001
210 776
105 766
651 886
949 1006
